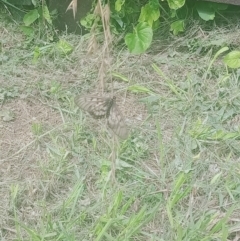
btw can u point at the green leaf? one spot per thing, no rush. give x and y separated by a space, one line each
205 11
139 89
46 14
232 59
88 21
149 14
64 47
119 4
173 13
177 26
120 76
27 30
219 6
36 54
175 4
140 39
31 17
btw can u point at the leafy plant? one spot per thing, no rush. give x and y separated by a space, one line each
177 27
207 10
40 14
138 20
232 59
141 38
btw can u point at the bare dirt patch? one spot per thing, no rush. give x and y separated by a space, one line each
17 134
20 152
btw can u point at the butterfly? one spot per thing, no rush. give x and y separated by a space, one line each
100 107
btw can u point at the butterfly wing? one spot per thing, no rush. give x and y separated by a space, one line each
116 122
95 105
100 107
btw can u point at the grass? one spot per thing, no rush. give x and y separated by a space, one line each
176 176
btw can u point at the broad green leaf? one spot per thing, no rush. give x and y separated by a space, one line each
139 89
175 4
64 47
27 30
219 6
173 13
31 17
232 59
177 26
154 3
46 14
118 20
149 14
87 22
205 11
119 4
155 25
140 39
